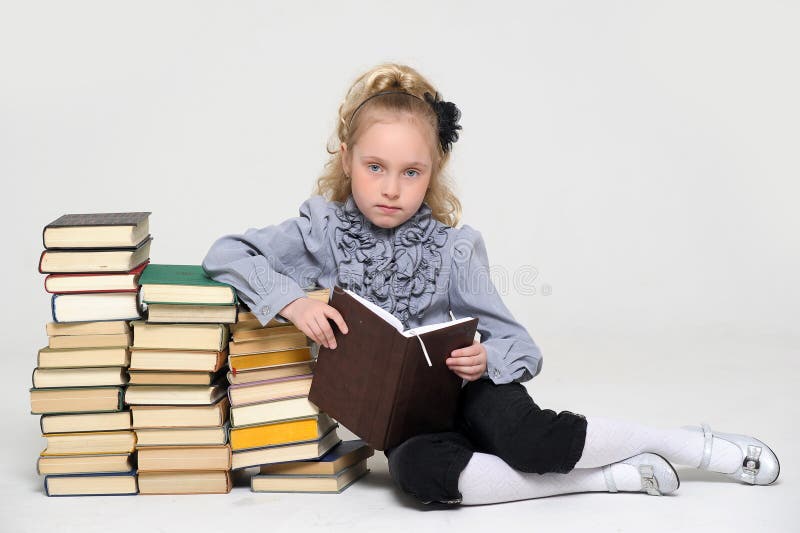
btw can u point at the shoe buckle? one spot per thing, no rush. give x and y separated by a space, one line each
649 481
751 464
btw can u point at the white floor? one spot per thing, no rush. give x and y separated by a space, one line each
735 384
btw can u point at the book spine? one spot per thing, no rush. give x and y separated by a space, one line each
389 375
397 420
41 258
53 307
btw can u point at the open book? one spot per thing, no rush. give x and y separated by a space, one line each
385 383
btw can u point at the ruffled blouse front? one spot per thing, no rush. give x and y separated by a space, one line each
394 268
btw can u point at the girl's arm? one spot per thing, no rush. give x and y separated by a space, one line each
269 267
511 353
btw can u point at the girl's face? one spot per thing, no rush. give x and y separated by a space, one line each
390 169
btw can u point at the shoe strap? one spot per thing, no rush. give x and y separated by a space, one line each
649 481
611 485
708 439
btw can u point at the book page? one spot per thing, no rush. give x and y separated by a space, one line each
394 321
381 312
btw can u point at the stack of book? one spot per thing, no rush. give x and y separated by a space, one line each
93 262
177 389
271 369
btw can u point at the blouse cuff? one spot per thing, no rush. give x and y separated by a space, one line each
270 305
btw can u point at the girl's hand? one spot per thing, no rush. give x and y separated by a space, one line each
468 363
311 317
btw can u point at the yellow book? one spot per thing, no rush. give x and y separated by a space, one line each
262 435
264 359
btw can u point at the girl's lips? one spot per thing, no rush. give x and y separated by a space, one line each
386 209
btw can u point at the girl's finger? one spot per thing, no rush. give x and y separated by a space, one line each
327 332
331 312
318 337
465 352
464 361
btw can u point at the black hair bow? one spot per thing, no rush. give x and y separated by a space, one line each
448 115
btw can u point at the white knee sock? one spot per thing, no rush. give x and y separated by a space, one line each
488 479
609 440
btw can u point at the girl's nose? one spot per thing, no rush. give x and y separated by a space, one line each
391 187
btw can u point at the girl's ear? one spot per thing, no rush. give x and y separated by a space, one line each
345 159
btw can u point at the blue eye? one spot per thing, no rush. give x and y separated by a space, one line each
415 173
373 165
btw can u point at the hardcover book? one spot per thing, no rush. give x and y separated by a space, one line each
119 340
384 383
312 449
81 282
171 458
190 482
186 284
177 360
82 357
276 371
115 442
180 336
91 484
172 416
174 394
93 306
80 329
277 433
89 260
346 454
76 400
84 464
333 483
196 436
267 359
48 378
273 389
120 420
96 230
272 411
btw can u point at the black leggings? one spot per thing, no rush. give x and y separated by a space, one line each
501 420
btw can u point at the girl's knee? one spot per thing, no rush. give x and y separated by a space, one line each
427 466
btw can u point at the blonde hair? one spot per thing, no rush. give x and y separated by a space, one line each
334 185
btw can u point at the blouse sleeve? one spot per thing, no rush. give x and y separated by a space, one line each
269 267
512 355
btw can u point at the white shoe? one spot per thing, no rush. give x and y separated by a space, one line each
759 466
658 475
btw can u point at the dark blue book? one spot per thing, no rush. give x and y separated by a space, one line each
342 456
108 484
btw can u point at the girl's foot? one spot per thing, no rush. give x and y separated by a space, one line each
646 472
759 465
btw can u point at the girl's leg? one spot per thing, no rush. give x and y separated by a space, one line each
488 479
609 440
442 467
428 466
503 420
740 457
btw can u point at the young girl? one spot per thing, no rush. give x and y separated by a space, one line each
383 224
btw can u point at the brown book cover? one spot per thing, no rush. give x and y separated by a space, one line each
380 382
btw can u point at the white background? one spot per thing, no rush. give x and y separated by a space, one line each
642 157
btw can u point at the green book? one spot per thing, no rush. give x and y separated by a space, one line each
183 284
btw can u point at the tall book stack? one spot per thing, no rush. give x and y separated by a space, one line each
177 389
271 369
93 262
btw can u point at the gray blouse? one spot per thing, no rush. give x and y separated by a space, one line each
419 271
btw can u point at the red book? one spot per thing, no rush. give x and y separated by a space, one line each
94 282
